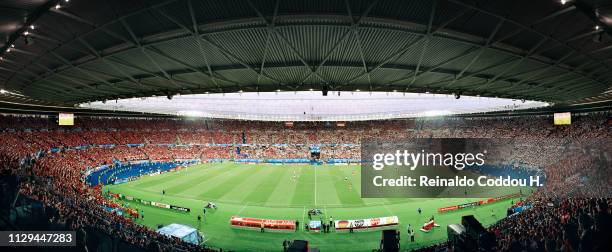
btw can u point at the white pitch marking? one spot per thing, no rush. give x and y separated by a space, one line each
303 213
243 207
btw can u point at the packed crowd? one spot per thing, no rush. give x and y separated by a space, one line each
551 224
571 213
56 177
557 224
76 206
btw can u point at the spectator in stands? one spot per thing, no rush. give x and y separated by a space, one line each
565 214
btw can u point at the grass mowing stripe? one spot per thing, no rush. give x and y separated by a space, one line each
345 196
187 182
219 233
281 196
315 185
326 191
303 191
354 172
267 185
219 187
192 187
149 181
241 191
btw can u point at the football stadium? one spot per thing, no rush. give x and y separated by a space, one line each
305 125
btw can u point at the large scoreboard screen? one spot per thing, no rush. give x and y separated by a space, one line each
563 118
66 119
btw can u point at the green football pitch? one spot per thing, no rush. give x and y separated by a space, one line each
287 192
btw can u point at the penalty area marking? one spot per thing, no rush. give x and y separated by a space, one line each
243 207
388 210
303 213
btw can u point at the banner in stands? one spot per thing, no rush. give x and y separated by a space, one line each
120 181
517 208
366 223
477 203
254 223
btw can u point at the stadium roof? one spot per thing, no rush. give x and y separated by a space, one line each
311 106
78 51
